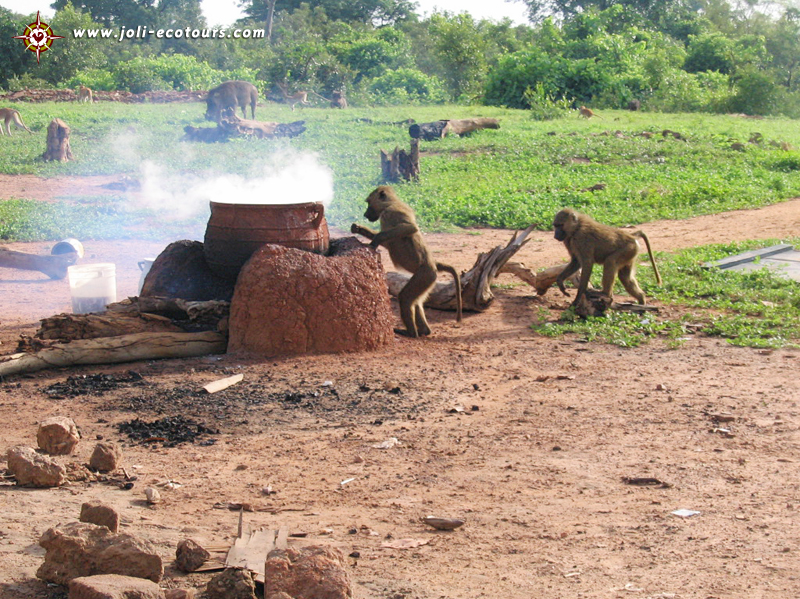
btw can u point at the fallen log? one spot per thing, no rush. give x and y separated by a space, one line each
542 280
204 134
475 283
70 327
427 131
54 267
137 315
462 126
444 127
234 125
114 350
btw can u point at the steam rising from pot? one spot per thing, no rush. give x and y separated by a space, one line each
281 179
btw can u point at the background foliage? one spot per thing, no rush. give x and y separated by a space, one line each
671 55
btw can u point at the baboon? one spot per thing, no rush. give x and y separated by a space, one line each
401 236
338 100
589 242
230 95
296 98
11 115
85 94
588 113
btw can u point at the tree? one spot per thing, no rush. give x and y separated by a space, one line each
114 13
377 12
650 10
14 58
783 43
461 48
72 54
709 52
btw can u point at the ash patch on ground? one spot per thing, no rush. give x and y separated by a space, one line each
170 431
93 384
264 400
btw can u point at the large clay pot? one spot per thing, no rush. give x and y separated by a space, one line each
235 231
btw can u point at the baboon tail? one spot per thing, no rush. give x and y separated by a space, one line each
650 253
459 304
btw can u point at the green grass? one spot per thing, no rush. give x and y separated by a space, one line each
751 309
510 178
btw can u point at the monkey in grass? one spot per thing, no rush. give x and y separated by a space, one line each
588 113
589 242
400 235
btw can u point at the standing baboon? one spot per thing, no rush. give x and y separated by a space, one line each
401 236
85 94
588 113
589 242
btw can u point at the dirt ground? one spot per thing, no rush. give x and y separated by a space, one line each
530 440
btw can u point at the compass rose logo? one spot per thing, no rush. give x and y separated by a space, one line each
38 37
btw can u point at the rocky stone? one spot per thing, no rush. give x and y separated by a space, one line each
312 572
57 435
232 583
280 595
181 271
32 469
179 594
105 457
289 301
96 512
190 555
80 549
113 586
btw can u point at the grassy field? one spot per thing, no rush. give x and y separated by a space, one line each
520 174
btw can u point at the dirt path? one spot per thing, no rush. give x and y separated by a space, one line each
534 457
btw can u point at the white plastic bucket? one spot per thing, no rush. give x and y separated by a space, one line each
93 287
144 266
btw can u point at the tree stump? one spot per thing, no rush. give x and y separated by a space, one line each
57 142
401 164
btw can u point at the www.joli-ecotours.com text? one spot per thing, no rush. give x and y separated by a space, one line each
141 32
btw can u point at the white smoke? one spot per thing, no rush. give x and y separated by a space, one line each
281 179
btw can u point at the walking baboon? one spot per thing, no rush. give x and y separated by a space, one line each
588 113
589 242
401 236
296 98
11 115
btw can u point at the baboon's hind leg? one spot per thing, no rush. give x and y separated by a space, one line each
627 276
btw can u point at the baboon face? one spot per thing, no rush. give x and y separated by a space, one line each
563 223
376 203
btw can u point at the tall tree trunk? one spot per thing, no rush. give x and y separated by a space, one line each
270 15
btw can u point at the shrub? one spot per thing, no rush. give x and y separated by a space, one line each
94 78
544 106
407 86
755 93
686 92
